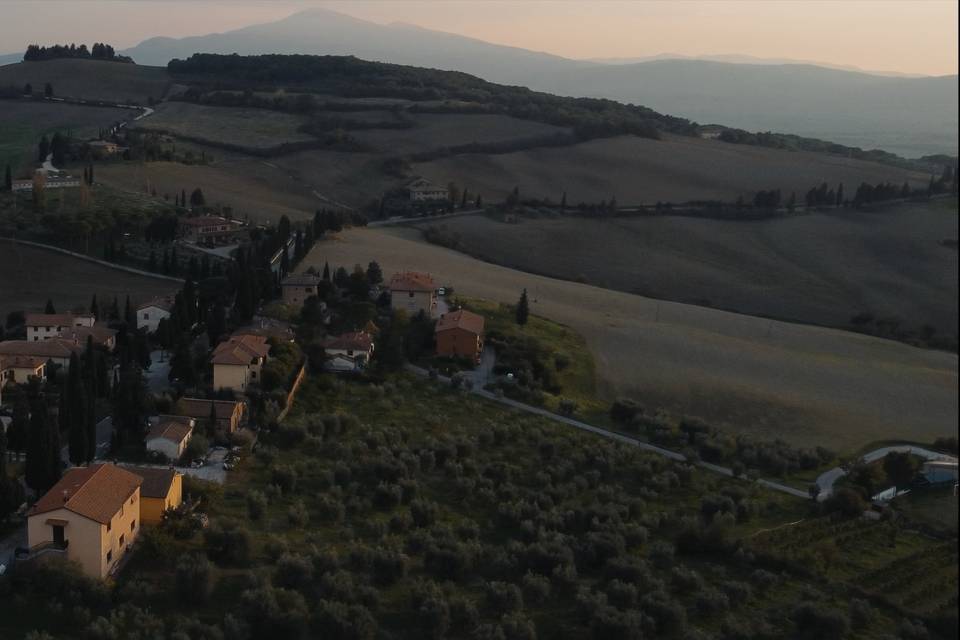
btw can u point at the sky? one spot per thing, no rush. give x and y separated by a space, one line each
905 36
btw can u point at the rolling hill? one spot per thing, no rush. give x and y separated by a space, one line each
90 79
909 116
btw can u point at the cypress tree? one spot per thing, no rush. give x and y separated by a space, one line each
326 271
523 309
212 421
92 391
49 308
8 179
94 308
43 447
76 413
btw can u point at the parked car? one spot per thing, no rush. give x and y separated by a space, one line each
228 465
199 462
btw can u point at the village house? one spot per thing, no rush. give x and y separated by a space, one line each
230 414
20 369
170 436
422 190
102 336
207 229
43 326
459 334
348 352
150 313
299 287
104 148
57 350
413 292
237 361
49 182
161 491
92 516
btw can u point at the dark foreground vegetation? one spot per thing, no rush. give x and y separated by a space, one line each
398 509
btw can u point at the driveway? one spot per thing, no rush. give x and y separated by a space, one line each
158 375
483 373
827 479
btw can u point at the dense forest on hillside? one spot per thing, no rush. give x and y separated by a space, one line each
99 51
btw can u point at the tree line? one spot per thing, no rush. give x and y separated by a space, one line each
99 51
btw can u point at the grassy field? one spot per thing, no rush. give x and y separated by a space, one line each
433 131
255 128
255 188
639 170
90 79
822 268
23 122
807 385
30 276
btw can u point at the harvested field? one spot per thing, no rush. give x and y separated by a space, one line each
254 128
253 187
30 276
433 131
90 79
639 170
807 385
822 268
23 122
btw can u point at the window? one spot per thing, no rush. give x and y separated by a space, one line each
146 316
133 525
109 526
109 555
410 294
122 537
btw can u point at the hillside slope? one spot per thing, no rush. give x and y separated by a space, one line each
807 385
911 116
90 79
824 268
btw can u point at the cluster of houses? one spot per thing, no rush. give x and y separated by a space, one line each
458 334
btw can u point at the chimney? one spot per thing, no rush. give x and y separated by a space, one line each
66 495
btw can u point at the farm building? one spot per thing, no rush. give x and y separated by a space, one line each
422 190
91 516
150 313
49 182
207 229
460 334
238 360
230 414
940 471
348 352
414 292
43 326
20 369
170 436
299 287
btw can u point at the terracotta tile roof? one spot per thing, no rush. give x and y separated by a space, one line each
460 319
163 302
96 492
157 482
52 319
240 349
171 430
355 341
101 334
21 362
302 280
204 221
412 281
46 349
200 409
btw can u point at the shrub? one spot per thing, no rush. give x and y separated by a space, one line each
293 571
284 477
423 512
256 504
504 597
227 542
814 621
194 579
536 588
339 621
275 612
845 501
661 554
297 514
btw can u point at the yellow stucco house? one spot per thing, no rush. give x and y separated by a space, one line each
92 516
162 490
237 361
